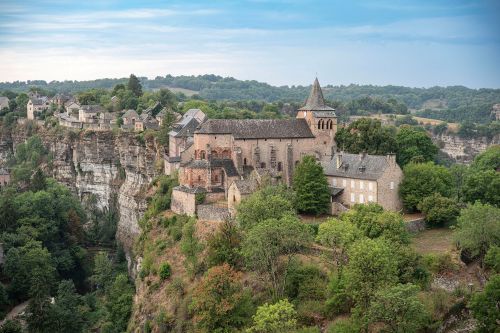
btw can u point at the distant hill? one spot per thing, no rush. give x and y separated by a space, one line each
455 103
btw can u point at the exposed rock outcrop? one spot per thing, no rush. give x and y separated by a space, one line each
101 163
463 150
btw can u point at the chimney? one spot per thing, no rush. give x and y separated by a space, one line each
339 159
391 159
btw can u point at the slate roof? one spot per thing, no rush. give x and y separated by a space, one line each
354 166
186 189
91 108
324 114
130 114
258 128
315 101
187 130
245 186
334 191
40 100
226 164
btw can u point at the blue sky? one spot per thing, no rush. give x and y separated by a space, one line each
417 43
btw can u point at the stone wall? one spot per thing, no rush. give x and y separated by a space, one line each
416 225
212 213
183 202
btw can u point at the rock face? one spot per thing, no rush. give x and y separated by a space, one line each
110 166
463 150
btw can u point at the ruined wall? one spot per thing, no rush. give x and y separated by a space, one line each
107 165
212 213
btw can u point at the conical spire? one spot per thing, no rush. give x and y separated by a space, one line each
315 101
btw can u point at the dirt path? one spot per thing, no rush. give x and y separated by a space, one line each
16 311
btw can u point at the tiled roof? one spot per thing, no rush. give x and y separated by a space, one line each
258 128
227 165
187 189
356 166
245 186
324 114
315 101
187 130
334 191
130 114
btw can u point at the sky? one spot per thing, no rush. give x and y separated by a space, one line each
417 43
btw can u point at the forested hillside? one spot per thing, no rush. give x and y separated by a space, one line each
456 103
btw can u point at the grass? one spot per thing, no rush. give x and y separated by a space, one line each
434 241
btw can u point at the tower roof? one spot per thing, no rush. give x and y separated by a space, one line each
315 101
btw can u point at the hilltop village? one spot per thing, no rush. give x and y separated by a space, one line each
225 160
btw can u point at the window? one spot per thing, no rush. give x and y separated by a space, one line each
344 182
202 154
361 185
370 198
262 165
361 198
334 181
353 198
280 166
392 185
245 161
216 178
234 198
199 178
353 184
370 186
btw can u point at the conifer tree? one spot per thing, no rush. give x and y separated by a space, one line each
311 187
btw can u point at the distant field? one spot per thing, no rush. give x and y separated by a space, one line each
434 241
453 127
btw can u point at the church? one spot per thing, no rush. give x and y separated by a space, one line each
228 150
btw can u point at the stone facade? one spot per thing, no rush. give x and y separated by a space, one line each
361 178
37 105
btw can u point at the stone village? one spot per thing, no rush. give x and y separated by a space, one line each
219 161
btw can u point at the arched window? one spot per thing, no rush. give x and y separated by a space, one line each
234 198
245 161
202 154
320 123
296 163
280 166
329 124
226 154
214 154
216 178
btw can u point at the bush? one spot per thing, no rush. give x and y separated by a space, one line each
440 263
344 326
484 306
338 300
438 210
492 258
165 271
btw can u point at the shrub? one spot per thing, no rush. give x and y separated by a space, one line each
440 263
344 326
274 318
492 258
224 246
438 210
338 300
484 306
165 271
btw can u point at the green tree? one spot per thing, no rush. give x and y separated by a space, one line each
338 235
38 181
225 246
478 228
422 180
280 317
119 301
398 308
414 145
482 185
484 306
492 258
67 311
134 85
438 210
219 303
11 326
371 266
270 246
311 187
367 135
488 159
262 205
102 276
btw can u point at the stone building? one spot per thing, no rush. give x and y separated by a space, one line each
4 102
89 113
37 104
224 151
181 138
362 178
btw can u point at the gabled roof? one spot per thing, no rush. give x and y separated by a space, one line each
258 128
315 101
130 114
40 100
245 186
187 130
358 166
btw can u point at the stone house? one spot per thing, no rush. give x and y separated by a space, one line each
37 105
71 107
225 150
129 119
89 113
362 178
146 121
4 102
181 138
4 177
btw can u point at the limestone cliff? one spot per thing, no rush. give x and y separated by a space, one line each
101 163
463 150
